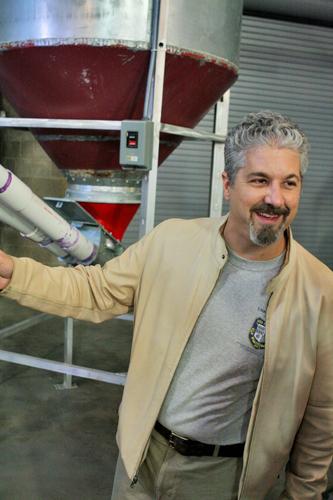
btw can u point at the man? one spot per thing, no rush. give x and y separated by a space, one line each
231 372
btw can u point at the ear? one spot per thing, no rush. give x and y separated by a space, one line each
226 185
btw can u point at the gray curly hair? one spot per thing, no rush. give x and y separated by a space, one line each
262 129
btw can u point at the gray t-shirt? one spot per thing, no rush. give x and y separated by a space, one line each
211 395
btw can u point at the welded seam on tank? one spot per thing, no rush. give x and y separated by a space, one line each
91 189
121 175
205 57
108 42
120 188
96 42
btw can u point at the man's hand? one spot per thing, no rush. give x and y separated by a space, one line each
6 269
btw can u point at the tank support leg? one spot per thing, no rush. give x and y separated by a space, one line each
68 353
150 180
220 127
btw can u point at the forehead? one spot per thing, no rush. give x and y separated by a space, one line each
272 160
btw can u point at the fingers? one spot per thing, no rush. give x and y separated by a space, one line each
6 269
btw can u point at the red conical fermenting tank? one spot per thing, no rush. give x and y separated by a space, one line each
84 59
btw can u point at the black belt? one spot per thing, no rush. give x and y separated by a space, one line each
188 447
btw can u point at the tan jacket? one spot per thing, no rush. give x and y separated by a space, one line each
168 277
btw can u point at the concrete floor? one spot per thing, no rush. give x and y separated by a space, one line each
59 444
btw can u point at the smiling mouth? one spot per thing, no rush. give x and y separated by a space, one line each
265 217
269 214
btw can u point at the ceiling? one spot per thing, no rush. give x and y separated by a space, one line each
307 11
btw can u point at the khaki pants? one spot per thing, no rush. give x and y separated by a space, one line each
167 475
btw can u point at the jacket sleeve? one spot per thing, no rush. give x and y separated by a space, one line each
91 293
313 447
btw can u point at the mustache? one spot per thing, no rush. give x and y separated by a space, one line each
270 209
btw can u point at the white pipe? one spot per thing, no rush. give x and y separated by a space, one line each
27 230
18 197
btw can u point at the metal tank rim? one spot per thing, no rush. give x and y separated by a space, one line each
117 43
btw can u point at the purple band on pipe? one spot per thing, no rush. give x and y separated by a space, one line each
46 241
66 243
91 257
7 183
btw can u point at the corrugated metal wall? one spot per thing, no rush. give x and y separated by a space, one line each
286 67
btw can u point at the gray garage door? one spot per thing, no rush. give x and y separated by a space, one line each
285 67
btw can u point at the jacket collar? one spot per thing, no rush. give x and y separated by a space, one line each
219 247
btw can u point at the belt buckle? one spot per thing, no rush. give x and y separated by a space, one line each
172 437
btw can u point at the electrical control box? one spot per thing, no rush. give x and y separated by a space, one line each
136 144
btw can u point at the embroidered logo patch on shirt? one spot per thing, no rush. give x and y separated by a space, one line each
257 334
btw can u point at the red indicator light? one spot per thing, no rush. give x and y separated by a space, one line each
132 139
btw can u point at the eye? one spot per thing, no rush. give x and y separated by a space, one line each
290 184
259 181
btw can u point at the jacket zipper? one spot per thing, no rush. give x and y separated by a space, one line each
255 419
143 458
135 477
134 481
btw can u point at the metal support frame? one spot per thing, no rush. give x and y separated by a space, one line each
68 353
60 123
23 325
149 182
59 367
189 133
105 125
67 368
148 201
220 127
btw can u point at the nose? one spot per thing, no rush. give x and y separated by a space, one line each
274 195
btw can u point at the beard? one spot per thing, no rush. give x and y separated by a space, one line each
266 235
